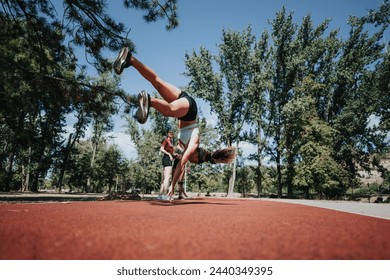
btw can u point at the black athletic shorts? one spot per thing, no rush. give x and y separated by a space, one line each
192 110
166 160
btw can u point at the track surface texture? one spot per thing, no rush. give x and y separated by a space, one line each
194 229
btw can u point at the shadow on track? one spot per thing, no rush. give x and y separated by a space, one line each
187 201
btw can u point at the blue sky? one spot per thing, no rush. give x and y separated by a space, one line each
200 24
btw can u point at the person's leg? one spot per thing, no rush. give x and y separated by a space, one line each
181 190
167 176
167 91
179 171
125 59
175 109
171 106
162 184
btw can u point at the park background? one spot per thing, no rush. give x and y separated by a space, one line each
63 128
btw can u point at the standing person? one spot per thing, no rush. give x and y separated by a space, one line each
177 104
167 160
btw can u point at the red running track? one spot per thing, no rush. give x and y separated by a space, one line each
196 229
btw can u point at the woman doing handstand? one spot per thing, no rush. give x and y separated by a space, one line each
177 104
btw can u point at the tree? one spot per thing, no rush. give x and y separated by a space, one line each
112 166
343 82
33 106
381 91
226 90
86 23
285 72
40 82
311 53
311 150
259 88
109 167
147 144
352 102
79 167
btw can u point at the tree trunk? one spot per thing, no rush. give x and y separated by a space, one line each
94 147
307 196
259 163
26 182
64 164
8 176
35 181
290 175
279 172
232 179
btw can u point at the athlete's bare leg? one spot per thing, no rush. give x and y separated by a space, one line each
171 106
179 171
167 91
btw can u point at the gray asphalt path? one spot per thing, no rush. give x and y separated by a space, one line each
378 210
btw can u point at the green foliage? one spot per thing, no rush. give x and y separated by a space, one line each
353 98
86 23
156 10
301 93
234 74
79 168
33 106
307 144
106 175
41 82
245 180
227 88
147 143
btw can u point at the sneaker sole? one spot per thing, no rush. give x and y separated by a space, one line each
144 105
120 60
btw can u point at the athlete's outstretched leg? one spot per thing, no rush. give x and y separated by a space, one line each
167 91
171 106
126 59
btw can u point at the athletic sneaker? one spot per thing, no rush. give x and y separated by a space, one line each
143 109
122 61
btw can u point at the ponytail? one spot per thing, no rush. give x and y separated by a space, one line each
226 155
